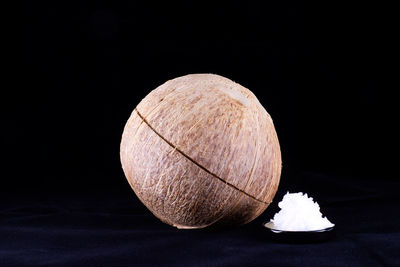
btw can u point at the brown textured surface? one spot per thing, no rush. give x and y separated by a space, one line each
201 149
166 185
176 149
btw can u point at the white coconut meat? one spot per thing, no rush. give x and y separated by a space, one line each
299 213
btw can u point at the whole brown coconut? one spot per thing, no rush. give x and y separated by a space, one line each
201 149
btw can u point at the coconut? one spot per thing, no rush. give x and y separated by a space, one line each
201 149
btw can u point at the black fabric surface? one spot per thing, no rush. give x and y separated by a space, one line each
117 230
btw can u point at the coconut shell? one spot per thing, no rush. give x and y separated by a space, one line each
201 149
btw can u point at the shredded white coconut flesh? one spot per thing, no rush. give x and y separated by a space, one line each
299 213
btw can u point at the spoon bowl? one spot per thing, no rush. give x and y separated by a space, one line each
299 236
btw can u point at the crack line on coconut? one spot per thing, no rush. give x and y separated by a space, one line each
194 162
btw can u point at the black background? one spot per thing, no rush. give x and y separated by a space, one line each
319 68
